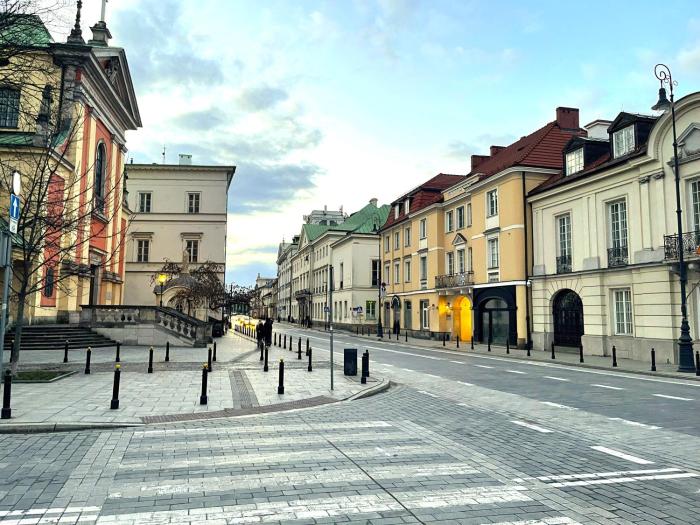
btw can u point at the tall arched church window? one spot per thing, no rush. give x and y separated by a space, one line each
100 168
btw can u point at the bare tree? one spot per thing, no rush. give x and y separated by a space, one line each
64 205
204 289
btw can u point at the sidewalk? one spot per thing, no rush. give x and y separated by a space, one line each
562 357
237 385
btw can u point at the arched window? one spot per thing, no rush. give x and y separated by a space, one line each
49 282
100 167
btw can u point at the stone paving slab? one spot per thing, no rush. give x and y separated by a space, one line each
237 385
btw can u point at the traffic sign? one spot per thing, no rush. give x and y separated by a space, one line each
14 212
326 309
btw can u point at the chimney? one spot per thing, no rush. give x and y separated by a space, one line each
567 118
478 160
495 149
185 159
373 201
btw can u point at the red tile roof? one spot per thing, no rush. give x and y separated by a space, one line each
540 149
430 192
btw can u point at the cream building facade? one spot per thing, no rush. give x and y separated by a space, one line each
180 215
605 258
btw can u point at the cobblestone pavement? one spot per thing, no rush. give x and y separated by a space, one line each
452 444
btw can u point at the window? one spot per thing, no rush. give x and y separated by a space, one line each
492 253
423 268
460 260
192 249
407 270
407 236
45 106
450 263
193 202
143 250
460 217
469 214
492 203
423 230
387 275
375 272
406 206
371 309
449 226
386 243
623 311
397 277
397 211
623 141
9 107
425 315
564 229
574 161
695 204
618 224
397 241
341 276
144 202
49 282
469 260
100 168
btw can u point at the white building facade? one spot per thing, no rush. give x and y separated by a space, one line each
605 243
180 215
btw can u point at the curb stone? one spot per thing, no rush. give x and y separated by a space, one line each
38 428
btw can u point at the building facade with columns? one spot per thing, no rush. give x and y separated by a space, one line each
605 237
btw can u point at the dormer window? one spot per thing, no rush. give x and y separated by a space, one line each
397 211
574 161
623 141
406 206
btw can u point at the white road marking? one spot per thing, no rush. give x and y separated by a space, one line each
405 353
555 378
257 429
427 393
465 383
673 397
608 387
557 405
407 370
463 405
609 481
458 362
546 521
634 423
431 375
516 372
593 475
532 427
483 366
622 455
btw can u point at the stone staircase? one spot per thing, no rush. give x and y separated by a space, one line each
54 337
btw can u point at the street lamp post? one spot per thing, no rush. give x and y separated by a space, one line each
161 280
380 331
685 342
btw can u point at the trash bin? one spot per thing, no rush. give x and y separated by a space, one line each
350 361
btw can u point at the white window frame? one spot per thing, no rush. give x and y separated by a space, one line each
397 211
194 202
425 314
460 217
623 141
397 240
423 268
469 214
142 200
407 206
449 263
492 203
694 193
386 244
140 243
490 243
623 234
623 319
407 236
192 255
371 310
423 229
449 221
574 161
407 270
461 261
387 274
564 236
397 270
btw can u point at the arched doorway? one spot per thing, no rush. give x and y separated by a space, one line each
567 313
396 307
495 320
462 315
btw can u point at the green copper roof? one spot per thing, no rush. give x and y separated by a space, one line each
314 231
26 31
363 221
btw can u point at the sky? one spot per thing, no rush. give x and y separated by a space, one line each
332 103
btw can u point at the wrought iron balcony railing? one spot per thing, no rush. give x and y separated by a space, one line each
455 280
618 256
690 244
564 264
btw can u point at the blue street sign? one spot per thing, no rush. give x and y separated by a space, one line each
14 207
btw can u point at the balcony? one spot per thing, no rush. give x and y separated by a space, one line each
618 256
457 280
301 294
564 264
690 245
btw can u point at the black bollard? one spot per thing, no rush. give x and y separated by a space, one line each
65 352
614 352
167 351
363 379
443 339
87 360
580 353
214 356
274 339
697 363
308 352
653 360
528 351
367 354
150 360
114 404
261 350
6 396
388 333
489 344
507 346
118 358
280 386
406 336
553 350
299 348
265 367
472 342
203 398
285 342
209 367
457 339
307 346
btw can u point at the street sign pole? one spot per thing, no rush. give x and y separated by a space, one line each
5 259
330 315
